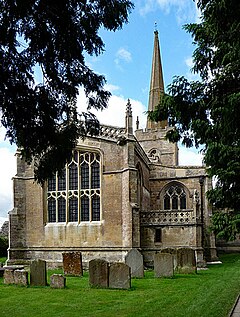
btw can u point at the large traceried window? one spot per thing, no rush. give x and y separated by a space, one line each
174 198
74 196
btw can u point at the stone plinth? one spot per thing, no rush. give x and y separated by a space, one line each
21 277
8 276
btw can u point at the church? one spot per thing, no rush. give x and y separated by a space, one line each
123 189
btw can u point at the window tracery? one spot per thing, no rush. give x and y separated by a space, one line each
175 198
74 195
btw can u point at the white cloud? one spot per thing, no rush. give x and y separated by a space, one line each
111 87
114 114
122 55
189 157
7 171
190 74
185 10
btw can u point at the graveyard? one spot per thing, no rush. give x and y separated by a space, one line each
206 292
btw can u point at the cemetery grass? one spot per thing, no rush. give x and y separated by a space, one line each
210 292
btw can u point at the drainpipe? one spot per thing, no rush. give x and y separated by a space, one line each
201 182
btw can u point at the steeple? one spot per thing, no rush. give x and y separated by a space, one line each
156 84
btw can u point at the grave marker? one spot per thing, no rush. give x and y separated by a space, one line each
134 260
119 276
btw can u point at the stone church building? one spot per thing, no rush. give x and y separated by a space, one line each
123 189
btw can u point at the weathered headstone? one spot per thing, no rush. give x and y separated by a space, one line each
163 265
186 261
72 263
98 273
38 273
134 260
21 277
8 276
57 281
174 254
119 276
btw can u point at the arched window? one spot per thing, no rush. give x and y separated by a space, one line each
74 195
174 198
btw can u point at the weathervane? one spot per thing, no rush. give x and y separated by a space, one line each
155 27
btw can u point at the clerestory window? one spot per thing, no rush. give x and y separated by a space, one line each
74 196
174 198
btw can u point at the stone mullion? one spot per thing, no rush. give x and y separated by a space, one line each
67 193
79 188
90 187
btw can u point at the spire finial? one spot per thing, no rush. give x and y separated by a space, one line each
155 28
129 108
128 118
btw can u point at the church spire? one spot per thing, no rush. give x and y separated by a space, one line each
156 84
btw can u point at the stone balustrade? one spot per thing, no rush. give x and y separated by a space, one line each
163 217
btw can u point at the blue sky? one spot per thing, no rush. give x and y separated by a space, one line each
126 64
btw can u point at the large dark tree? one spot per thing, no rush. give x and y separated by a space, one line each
52 36
207 112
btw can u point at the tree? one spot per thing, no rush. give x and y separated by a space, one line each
207 112
53 36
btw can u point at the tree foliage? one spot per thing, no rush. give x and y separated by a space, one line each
207 112
54 36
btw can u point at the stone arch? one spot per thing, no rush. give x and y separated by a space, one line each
174 196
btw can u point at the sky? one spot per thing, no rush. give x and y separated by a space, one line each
126 65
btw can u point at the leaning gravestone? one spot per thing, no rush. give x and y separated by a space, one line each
98 273
163 265
174 254
57 281
72 263
8 276
134 260
186 261
119 276
38 273
21 277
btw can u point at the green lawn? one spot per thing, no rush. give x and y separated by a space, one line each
209 293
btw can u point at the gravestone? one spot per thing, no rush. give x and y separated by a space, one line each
174 254
8 276
57 281
98 273
119 276
72 263
163 265
134 260
21 277
38 273
186 261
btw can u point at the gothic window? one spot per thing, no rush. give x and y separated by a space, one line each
174 198
74 195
